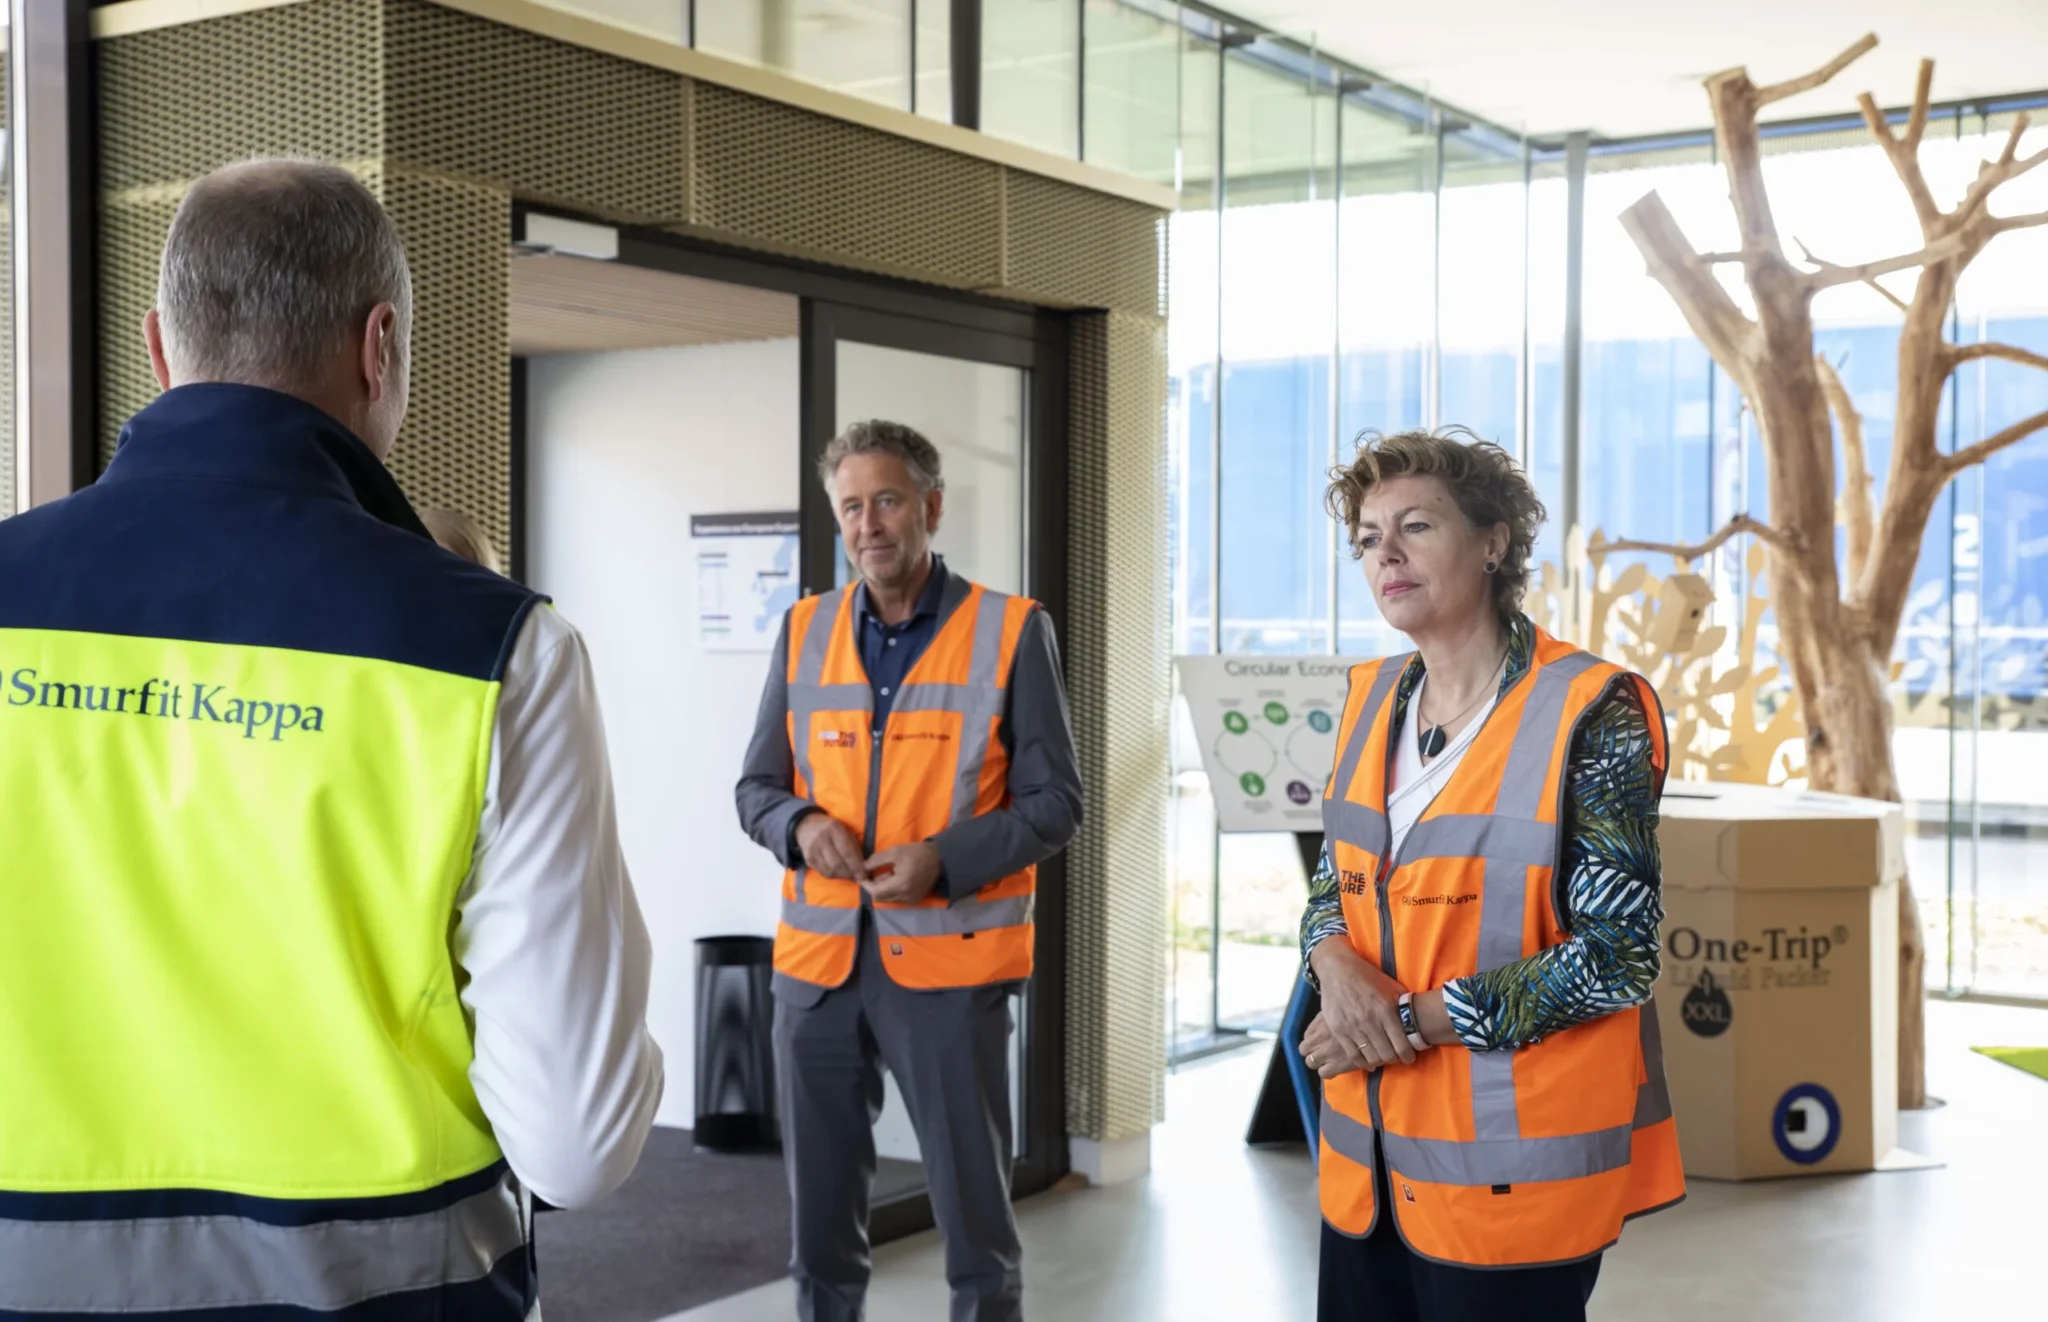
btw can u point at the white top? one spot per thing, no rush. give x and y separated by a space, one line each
552 939
1412 785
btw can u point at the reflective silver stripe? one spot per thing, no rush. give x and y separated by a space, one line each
1356 825
981 705
1493 1096
810 664
807 696
967 699
1527 774
172 1263
1653 1098
1511 840
820 919
1341 817
1508 1161
968 915
1348 1138
1478 835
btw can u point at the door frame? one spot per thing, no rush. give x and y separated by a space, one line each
835 305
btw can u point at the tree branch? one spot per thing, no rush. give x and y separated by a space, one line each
1707 306
1857 510
1916 122
1971 455
1741 523
1807 82
1871 280
2012 353
1940 250
1993 174
1905 163
2005 224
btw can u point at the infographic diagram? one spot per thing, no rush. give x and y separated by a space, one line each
1267 726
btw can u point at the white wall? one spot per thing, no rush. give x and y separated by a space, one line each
622 449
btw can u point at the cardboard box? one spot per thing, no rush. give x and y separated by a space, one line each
1779 992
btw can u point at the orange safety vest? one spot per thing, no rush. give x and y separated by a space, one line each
1528 1157
938 761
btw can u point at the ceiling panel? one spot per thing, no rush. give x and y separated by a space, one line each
573 305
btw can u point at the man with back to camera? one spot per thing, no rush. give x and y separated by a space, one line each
318 955
911 766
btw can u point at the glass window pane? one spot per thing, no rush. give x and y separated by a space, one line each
1647 391
1278 329
935 60
2001 861
1385 257
1479 285
1543 449
1134 90
1191 416
10 471
860 47
1031 73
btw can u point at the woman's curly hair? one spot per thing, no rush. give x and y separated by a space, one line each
1484 479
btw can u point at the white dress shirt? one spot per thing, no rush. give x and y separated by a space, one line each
551 936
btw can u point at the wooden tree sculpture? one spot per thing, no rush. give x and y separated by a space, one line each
1837 620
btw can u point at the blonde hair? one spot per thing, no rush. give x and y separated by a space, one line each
462 534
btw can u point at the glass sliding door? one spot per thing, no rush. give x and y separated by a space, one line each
989 397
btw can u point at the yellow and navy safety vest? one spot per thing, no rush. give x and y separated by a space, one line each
1513 1158
938 760
246 711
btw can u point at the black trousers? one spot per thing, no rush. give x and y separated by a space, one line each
1380 1279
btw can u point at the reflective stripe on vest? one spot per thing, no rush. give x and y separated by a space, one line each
1575 1130
164 1251
938 762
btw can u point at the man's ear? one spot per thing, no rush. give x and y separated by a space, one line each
379 350
153 340
934 509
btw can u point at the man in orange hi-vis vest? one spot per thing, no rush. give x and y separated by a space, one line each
911 767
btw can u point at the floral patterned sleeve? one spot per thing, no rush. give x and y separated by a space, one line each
1325 914
1612 901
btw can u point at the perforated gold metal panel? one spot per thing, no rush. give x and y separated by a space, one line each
1116 651
775 177
299 80
131 240
457 443
550 123
1064 244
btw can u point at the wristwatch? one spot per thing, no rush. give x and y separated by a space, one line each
1406 1005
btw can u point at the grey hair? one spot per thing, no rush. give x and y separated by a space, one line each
271 267
875 436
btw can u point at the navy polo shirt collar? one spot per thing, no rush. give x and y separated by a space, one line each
224 432
929 602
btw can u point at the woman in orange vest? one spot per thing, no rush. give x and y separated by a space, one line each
1483 928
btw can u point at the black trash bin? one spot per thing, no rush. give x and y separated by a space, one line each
735 1046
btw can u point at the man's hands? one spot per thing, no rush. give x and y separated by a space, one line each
829 849
1360 1026
905 874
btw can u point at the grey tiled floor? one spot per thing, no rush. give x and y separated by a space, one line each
1219 1232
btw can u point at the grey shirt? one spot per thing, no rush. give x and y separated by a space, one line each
1045 773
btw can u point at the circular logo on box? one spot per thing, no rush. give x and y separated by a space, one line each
1807 1124
1706 1009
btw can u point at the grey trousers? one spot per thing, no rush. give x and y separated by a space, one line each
949 1051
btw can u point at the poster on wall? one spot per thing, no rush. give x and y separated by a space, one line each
1267 726
746 578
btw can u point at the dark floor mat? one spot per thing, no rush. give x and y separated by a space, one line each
688 1227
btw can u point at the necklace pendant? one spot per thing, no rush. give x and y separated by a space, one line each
1430 742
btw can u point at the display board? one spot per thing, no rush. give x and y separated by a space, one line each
1267 726
746 578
